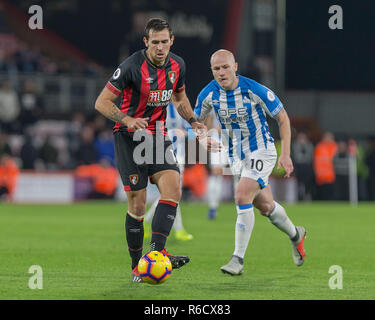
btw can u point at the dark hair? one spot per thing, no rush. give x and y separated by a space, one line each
157 24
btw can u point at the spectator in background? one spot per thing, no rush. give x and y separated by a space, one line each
302 155
370 161
4 145
86 153
103 176
31 104
26 58
362 172
48 153
99 124
73 136
195 179
341 165
48 66
105 147
3 61
324 169
8 176
28 153
9 107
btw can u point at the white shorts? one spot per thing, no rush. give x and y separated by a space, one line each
257 165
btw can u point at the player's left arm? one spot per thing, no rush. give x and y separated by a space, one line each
183 106
285 135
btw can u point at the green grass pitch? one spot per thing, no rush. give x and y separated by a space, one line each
82 251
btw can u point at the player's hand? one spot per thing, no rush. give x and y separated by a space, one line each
199 128
213 145
285 162
136 123
209 143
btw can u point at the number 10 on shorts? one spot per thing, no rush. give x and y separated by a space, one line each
256 164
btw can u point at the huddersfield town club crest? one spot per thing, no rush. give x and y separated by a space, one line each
133 178
172 76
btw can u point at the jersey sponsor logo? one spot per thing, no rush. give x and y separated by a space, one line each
133 178
270 96
117 73
158 98
172 76
228 116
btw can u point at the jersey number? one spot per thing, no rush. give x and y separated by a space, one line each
258 164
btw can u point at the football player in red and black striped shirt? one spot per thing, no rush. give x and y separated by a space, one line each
147 81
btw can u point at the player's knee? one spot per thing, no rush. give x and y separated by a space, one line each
242 198
137 204
173 194
139 208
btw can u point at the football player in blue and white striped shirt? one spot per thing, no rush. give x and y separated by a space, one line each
241 105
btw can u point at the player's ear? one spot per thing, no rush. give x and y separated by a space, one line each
172 39
236 66
145 41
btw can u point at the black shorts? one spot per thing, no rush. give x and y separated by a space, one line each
137 161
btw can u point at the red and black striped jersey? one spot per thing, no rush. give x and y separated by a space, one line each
146 89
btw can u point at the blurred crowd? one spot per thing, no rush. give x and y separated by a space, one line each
322 170
84 143
25 59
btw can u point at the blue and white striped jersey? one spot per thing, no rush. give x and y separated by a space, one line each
241 113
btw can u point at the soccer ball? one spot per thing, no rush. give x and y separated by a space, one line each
154 267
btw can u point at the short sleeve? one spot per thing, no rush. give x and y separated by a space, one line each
203 105
181 77
120 78
271 103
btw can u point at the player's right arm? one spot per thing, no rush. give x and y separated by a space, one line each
273 106
203 105
202 109
120 79
106 106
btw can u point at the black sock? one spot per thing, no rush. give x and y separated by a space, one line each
134 237
295 238
240 260
162 223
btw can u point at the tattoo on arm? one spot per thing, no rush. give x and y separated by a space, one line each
111 111
116 114
185 111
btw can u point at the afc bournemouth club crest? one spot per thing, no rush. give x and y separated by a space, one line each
133 178
172 76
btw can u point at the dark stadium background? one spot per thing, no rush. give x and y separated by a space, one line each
316 57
